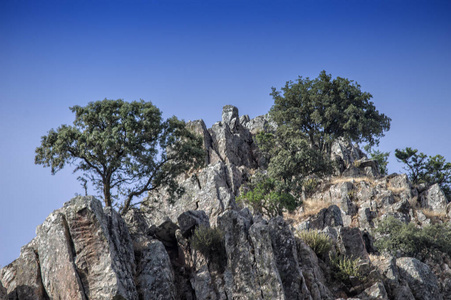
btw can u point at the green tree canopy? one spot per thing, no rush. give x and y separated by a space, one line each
124 149
325 109
380 157
426 169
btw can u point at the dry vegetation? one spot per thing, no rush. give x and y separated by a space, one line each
434 215
353 180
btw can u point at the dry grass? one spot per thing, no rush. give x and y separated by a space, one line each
353 180
398 190
413 202
434 214
310 207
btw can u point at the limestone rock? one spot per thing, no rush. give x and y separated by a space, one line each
154 277
210 190
346 153
267 273
351 243
419 277
240 275
85 252
190 219
22 278
3 292
330 216
261 123
434 199
287 260
312 272
375 292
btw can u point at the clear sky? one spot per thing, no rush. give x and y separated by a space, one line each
192 57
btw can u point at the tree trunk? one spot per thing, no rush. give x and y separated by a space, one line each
107 194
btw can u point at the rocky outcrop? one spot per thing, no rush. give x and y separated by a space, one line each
85 251
22 278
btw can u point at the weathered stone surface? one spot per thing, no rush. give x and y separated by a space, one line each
351 243
22 278
3 292
240 275
400 182
346 153
57 258
374 292
188 220
154 277
314 277
434 199
85 253
210 190
419 277
330 216
287 260
232 141
260 123
267 272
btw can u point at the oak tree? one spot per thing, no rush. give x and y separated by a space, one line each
124 149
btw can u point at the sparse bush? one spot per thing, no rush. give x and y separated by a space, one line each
320 242
209 241
268 196
344 268
310 185
413 241
380 157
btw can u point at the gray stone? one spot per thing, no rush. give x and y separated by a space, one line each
240 275
400 182
347 152
3 292
154 277
421 280
21 279
229 112
434 199
284 243
350 242
267 273
190 219
85 252
374 292
261 123
210 190
312 272
330 216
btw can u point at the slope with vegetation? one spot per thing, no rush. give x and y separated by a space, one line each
278 211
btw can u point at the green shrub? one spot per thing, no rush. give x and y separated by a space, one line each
268 196
320 242
208 241
344 268
413 241
310 185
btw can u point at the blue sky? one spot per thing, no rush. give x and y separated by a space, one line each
190 58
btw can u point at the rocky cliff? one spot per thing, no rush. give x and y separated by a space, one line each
85 251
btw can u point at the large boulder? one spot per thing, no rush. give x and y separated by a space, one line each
267 273
154 278
21 279
421 280
434 199
241 278
86 253
286 255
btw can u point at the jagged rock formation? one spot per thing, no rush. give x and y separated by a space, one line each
85 251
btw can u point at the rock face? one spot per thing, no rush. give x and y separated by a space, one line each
84 251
